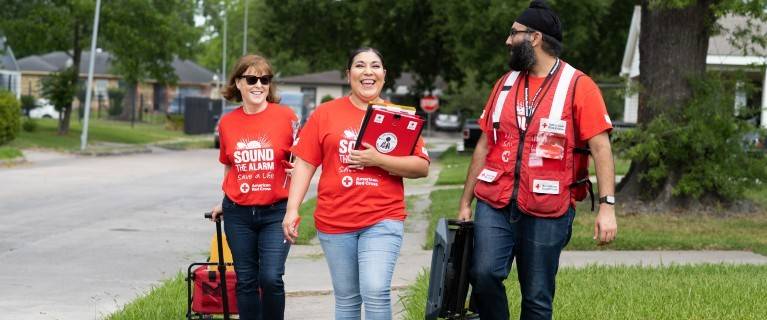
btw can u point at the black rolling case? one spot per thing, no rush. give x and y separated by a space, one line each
449 278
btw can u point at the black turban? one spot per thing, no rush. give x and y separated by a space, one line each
540 17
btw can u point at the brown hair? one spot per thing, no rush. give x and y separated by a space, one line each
230 91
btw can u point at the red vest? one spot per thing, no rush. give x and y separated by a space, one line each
542 187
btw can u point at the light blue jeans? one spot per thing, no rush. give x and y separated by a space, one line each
361 265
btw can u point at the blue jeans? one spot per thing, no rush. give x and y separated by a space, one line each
255 237
361 265
500 235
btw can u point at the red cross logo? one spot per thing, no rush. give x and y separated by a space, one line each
347 181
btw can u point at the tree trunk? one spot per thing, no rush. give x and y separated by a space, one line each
673 44
76 54
129 102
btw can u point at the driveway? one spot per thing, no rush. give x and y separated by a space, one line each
82 236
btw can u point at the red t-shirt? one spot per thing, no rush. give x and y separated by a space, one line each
254 145
590 116
348 199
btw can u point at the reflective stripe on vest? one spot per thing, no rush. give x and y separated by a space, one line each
561 93
502 100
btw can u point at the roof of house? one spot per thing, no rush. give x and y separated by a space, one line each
332 77
187 71
335 77
722 43
721 50
7 60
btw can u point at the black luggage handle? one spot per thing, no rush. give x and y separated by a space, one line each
221 264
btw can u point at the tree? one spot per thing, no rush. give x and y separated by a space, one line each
44 26
143 35
673 46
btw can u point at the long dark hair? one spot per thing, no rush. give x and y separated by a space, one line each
357 51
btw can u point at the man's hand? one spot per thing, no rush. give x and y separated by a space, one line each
464 213
605 225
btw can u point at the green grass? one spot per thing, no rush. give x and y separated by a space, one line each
621 166
8 153
668 292
306 230
165 301
454 167
98 131
643 231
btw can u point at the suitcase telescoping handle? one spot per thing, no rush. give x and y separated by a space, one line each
221 265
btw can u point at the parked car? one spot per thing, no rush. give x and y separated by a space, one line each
447 122
227 109
44 109
471 133
295 100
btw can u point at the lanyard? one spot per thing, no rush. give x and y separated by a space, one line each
531 105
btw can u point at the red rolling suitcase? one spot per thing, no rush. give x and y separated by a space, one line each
211 295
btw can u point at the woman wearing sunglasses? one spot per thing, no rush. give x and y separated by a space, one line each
255 139
360 204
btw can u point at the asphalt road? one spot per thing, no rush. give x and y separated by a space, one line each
81 236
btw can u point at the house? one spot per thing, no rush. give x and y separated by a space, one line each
316 86
722 56
10 77
193 80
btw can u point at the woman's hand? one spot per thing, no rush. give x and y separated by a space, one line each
217 212
290 225
288 167
368 157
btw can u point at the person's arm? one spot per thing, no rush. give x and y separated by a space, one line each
406 166
605 225
217 210
475 167
299 183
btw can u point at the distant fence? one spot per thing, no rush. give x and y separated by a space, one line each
200 114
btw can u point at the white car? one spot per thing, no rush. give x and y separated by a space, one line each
44 109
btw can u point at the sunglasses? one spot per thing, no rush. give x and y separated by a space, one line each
251 80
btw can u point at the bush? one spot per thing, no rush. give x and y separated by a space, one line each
10 108
116 96
174 122
29 125
703 143
326 98
27 104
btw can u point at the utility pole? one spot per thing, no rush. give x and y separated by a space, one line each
89 90
245 31
223 60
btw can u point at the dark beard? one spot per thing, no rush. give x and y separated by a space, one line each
522 56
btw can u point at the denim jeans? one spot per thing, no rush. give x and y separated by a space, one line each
361 265
255 237
536 243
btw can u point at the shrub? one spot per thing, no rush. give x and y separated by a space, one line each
10 108
702 142
29 125
116 96
326 98
27 103
174 122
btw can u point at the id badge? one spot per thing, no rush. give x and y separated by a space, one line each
551 139
550 145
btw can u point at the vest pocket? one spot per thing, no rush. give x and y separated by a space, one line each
494 186
544 196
